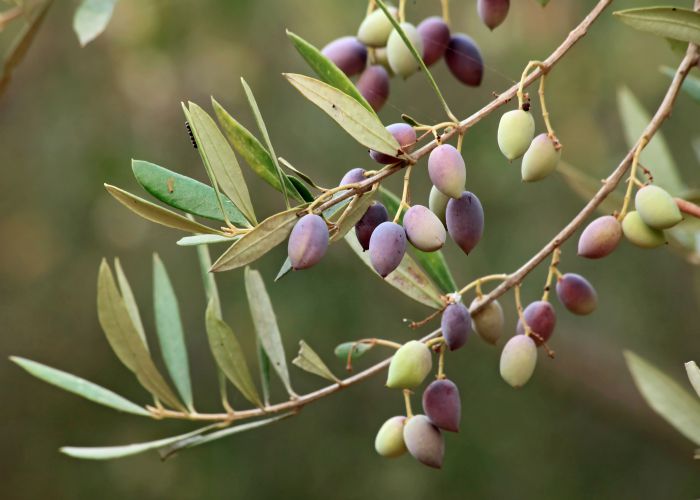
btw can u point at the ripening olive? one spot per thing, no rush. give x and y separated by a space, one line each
657 208
387 246
424 441
447 170
518 360
540 317
488 322
389 441
423 229
404 134
492 12
436 37
465 221
455 324
400 56
600 237
464 60
376 214
409 366
540 159
576 294
373 84
437 202
376 27
442 405
353 176
638 233
515 133
347 53
308 241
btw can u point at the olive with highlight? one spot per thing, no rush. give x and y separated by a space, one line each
447 170
541 319
375 215
577 294
516 129
465 221
541 158
436 37
387 246
389 441
348 54
638 233
308 241
404 134
518 360
401 59
464 60
376 27
455 324
424 441
488 323
600 237
423 229
442 405
657 208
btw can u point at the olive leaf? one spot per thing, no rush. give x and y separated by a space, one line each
125 341
408 278
666 397
80 386
170 332
670 22
693 372
361 124
91 18
301 189
256 243
326 70
301 174
185 193
284 270
130 301
309 361
205 239
353 213
266 326
343 350
221 160
691 84
158 214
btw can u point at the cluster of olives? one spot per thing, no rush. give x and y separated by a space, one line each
378 52
656 210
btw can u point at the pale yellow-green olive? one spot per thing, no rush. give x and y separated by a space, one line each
389 441
376 27
410 365
515 133
518 360
638 233
657 208
400 57
540 159
488 322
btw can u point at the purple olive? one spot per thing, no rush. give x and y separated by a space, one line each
540 317
600 237
374 86
456 324
347 53
387 246
404 134
423 229
465 221
424 441
353 176
308 241
464 60
376 214
442 405
577 294
436 36
492 12
447 170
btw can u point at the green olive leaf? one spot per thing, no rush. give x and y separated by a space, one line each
80 386
361 124
326 70
691 84
260 240
666 397
309 361
343 350
125 341
170 332
284 270
301 189
693 372
301 174
266 326
158 214
670 22
185 193
130 301
205 239
91 19
543 3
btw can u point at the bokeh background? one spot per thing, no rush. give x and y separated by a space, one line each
73 118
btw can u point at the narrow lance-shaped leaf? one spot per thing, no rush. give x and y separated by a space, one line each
301 174
253 245
91 18
284 270
205 239
666 397
356 209
229 355
266 327
309 361
155 213
130 301
361 124
301 189
170 332
185 193
125 341
80 386
693 372
669 22
326 70
218 155
252 151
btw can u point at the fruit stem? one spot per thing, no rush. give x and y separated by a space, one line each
407 401
441 363
405 194
477 282
402 11
417 324
556 255
371 5
643 140
445 4
519 309
460 137
432 342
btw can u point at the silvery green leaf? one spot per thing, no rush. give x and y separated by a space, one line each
130 301
309 361
91 18
205 239
669 22
693 375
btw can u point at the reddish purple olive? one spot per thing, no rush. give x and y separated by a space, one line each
436 37
465 221
347 53
308 242
576 294
456 325
376 214
600 237
447 170
541 319
387 246
442 405
493 12
464 60
404 134
373 84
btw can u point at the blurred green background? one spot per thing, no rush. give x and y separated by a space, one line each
73 118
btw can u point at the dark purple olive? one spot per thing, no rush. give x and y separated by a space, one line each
492 12
456 324
600 237
442 405
376 214
387 246
465 221
404 134
577 294
540 317
436 36
374 86
308 241
464 60
424 441
347 53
